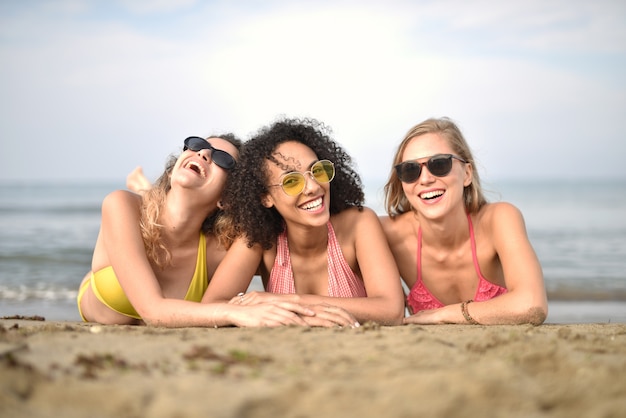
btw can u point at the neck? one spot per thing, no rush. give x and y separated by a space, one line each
445 232
182 216
307 239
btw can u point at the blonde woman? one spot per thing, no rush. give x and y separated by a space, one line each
157 251
464 260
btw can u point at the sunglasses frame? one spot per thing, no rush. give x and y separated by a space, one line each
427 163
304 178
228 164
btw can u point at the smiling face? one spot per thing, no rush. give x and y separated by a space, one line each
429 195
197 170
311 207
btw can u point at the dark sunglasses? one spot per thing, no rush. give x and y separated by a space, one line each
438 165
219 157
293 183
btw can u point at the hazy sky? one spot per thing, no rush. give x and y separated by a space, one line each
90 89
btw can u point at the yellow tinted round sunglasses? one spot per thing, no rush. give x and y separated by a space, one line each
293 183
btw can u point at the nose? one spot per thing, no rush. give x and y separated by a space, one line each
425 175
310 184
205 154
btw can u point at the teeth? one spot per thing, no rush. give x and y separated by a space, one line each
313 204
431 195
196 167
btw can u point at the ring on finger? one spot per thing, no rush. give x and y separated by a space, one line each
240 297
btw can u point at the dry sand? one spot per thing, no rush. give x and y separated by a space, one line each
68 369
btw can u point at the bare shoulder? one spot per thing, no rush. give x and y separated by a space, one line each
121 198
397 228
351 217
499 216
499 210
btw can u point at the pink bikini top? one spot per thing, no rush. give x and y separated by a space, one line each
420 298
342 281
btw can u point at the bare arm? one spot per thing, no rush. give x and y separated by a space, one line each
525 301
234 273
124 247
384 302
233 277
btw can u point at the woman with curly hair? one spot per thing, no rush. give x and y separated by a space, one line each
451 246
296 206
156 252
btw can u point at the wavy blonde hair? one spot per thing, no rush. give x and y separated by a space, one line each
153 201
396 202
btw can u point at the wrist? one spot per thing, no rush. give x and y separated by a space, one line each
466 314
222 315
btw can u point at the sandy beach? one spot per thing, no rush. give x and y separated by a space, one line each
70 369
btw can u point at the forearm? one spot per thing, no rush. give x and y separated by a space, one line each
506 309
510 309
173 313
372 308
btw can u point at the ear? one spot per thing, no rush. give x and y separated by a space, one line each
469 175
220 204
267 200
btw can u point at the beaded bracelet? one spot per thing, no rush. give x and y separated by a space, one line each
466 314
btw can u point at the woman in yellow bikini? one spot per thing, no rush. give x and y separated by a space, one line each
157 251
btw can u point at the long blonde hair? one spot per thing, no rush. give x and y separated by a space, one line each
152 203
396 202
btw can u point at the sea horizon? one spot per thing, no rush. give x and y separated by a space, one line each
48 230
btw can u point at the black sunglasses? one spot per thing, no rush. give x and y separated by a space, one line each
438 165
219 157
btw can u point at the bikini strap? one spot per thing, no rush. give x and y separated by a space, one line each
473 244
419 254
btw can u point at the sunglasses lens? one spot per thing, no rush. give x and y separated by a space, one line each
195 143
293 183
219 157
408 171
323 171
223 159
440 165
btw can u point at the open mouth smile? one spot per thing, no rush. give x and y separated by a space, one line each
194 166
313 205
431 194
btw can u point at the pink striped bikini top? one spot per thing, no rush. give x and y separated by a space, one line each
420 298
342 281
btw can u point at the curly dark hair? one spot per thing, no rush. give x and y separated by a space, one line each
247 185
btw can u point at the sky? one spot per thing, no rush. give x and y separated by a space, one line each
91 89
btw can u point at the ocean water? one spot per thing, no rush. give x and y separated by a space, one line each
578 229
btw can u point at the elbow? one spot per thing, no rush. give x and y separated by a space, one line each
537 315
534 314
537 311
152 320
395 316
154 317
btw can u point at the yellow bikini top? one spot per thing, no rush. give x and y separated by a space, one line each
107 288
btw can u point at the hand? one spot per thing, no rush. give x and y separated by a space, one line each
271 314
431 316
253 298
137 182
330 316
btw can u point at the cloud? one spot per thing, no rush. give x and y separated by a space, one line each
127 80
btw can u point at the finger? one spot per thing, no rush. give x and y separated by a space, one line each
342 313
279 316
333 317
316 321
297 308
339 315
